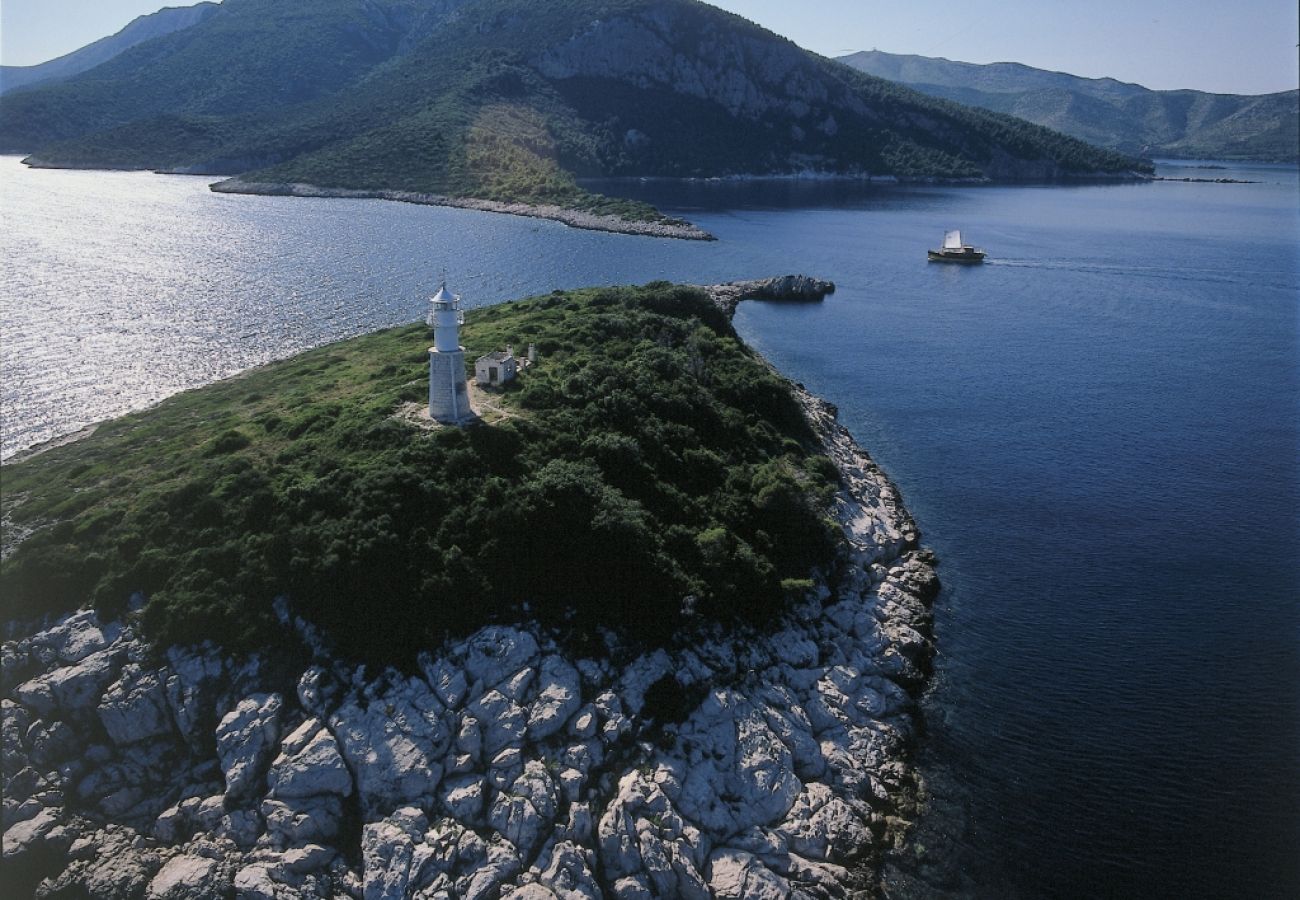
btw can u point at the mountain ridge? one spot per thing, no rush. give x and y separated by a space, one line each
502 101
165 21
1122 116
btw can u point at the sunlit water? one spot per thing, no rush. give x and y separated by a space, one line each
1097 431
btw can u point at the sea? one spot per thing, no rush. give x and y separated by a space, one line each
1096 429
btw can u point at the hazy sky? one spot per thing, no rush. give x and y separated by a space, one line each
1238 47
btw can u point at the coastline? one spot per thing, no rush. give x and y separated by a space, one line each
573 218
665 228
791 773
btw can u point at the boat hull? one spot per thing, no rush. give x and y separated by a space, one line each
956 256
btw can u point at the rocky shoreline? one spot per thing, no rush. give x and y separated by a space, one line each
792 288
734 765
669 228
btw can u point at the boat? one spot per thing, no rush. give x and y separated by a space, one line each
953 250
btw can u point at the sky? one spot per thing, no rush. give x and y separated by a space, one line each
1237 47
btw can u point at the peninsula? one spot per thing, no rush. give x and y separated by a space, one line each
654 624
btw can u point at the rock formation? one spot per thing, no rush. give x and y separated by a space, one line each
783 287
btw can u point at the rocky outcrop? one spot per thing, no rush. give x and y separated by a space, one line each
504 768
799 288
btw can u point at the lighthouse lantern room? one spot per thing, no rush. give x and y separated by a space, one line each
448 393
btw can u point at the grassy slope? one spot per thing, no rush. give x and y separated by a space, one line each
652 457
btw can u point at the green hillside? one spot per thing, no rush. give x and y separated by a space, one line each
1127 118
509 100
648 457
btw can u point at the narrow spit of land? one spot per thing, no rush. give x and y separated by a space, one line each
574 218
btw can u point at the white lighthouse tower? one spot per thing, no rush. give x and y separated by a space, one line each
448 395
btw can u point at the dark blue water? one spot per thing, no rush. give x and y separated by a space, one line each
1097 431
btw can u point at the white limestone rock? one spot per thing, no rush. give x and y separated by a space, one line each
495 653
186 878
642 836
246 739
583 724
821 826
73 689
134 708
536 784
517 686
310 820
51 743
469 737
567 870
579 827
395 746
644 671
192 687
311 858
460 764
315 690
572 782
500 863
741 774
502 720
21 838
80 635
559 694
111 862
531 891
737 875
242 827
255 883
518 821
506 765
786 718
633 887
387 849
15 722
465 799
309 765
174 824
447 681
583 756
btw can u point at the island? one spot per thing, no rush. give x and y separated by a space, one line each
511 106
651 623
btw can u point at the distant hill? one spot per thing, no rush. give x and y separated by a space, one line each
509 100
1124 117
141 29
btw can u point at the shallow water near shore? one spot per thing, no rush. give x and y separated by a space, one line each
1096 430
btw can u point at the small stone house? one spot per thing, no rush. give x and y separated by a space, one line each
496 368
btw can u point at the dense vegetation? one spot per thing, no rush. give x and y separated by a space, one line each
1127 118
506 100
649 464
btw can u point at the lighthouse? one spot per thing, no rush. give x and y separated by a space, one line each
448 394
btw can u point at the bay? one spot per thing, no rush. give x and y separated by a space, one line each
1096 430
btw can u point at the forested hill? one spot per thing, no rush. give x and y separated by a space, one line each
140 29
509 99
1124 117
